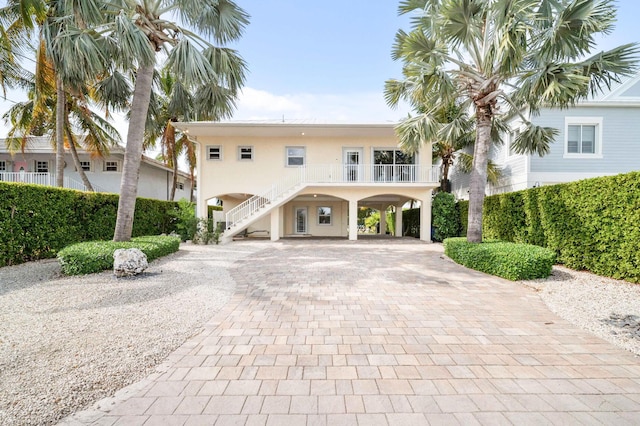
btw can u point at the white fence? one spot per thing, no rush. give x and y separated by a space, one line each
46 179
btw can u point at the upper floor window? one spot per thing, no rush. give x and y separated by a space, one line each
42 167
295 155
583 137
111 166
214 152
86 166
245 153
3 166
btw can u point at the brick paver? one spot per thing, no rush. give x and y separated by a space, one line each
383 332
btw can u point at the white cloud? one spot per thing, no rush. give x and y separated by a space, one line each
260 105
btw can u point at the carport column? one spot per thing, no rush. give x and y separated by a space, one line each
353 219
399 221
275 224
383 220
425 217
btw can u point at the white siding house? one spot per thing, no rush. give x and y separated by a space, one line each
37 165
595 138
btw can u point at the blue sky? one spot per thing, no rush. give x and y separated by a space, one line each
327 61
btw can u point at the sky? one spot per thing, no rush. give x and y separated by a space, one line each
327 61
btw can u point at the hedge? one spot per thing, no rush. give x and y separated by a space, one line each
444 216
96 256
38 221
507 260
591 224
411 222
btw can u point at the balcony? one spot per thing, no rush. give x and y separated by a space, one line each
368 174
46 179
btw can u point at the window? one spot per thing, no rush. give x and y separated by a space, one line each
85 166
324 215
245 153
295 155
583 137
393 165
42 167
111 166
214 152
3 166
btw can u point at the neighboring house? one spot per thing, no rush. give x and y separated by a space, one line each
595 138
295 180
38 165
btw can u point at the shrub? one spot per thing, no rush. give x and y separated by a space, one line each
186 222
507 260
96 256
446 221
37 221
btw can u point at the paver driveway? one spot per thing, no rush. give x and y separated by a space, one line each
384 332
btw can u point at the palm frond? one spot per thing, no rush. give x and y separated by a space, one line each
534 139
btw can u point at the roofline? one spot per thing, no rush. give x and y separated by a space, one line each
232 124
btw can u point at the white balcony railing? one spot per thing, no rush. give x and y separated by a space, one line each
334 174
46 179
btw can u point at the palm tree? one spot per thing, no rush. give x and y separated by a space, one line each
38 116
173 101
106 35
500 57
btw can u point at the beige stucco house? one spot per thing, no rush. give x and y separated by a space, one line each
307 179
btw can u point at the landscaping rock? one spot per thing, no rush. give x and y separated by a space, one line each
129 262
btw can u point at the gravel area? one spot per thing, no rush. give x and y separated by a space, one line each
66 342
606 307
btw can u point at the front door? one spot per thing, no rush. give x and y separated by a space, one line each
352 163
301 220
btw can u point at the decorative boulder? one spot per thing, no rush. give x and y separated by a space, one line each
129 262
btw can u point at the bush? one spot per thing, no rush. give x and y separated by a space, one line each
446 221
97 256
591 224
411 222
186 221
507 260
37 221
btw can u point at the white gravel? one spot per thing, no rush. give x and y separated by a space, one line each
606 307
66 342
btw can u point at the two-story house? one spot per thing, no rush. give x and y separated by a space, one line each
38 162
307 179
597 137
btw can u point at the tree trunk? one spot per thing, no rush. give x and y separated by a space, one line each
174 181
478 178
60 119
444 183
133 153
76 162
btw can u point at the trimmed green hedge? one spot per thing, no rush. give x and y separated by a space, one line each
507 260
37 221
445 217
96 256
591 224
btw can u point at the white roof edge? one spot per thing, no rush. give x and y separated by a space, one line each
292 125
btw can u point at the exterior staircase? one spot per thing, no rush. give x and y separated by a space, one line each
256 207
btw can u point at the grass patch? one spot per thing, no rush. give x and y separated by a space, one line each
97 256
507 260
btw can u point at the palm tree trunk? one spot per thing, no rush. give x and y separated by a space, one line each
76 162
133 153
444 183
174 181
60 119
478 178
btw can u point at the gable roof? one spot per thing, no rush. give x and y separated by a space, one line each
625 93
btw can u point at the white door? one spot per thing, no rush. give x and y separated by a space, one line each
301 220
352 164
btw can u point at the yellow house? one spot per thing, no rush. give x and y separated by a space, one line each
307 179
